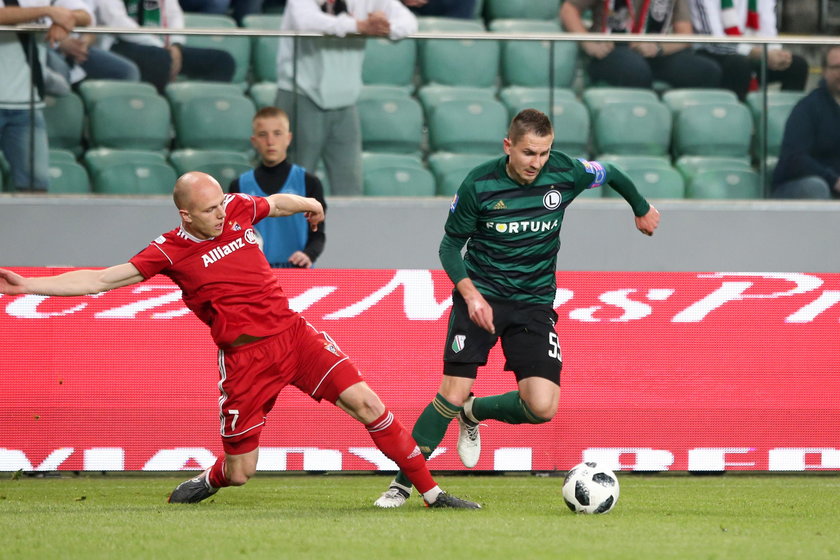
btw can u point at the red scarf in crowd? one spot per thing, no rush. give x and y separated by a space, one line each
729 17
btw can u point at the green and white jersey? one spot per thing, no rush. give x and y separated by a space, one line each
512 231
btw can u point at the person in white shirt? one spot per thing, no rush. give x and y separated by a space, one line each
161 58
23 133
320 88
741 62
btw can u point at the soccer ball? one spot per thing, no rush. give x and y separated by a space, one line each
589 488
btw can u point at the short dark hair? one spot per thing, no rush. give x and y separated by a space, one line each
529 121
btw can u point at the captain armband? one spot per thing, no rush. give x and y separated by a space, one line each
597 169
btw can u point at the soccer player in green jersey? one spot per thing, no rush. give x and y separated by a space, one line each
508 211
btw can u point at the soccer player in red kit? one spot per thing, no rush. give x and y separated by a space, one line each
264 345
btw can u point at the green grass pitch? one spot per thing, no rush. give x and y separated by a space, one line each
737 515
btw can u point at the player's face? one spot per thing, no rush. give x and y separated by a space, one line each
205 216
831 72
527 156
271 139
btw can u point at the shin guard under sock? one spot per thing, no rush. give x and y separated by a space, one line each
395 442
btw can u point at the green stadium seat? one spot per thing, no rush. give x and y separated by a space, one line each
532 9
725 184
450 169
398 181
517 98
377 160
476 126
689 166
130 122
655 181
632 128
263 48
676 99
224 166
59 156
596 97
777 116
215 122
239 47
129 172
713 130
68 177
92 91
431 95
263 94
755 99
526 63
383 91
64 117
178 92
390 62
457 62
392 124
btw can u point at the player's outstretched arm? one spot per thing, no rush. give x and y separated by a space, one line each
73 283
283 204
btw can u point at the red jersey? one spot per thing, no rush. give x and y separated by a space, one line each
226 280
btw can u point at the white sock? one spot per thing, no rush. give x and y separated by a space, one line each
432 495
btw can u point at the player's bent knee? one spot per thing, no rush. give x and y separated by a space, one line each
540 413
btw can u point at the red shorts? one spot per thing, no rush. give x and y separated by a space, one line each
252 375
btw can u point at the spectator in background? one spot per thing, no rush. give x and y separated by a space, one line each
741 63
287 242
77 57
238 9
464 9
320 94
639 64
809 159
23 133
161 58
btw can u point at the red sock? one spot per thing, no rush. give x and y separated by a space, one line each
398 445
217 477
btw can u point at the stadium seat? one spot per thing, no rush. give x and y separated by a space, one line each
390 62
596 97
450 169
690 166
527 63
755 99
178 92
392 124
129 172
713 130
59 156
676 99
517 98
458 62
383 91
263 94
777 116
223 165
398 181
64 117
239 47
68 177
92 91
637 128
263 48
654 181
477 126
432 95
130 122
725 184
532 9
217 122
377 160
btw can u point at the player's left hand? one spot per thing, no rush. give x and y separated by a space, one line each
300 259
649 222
11 284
